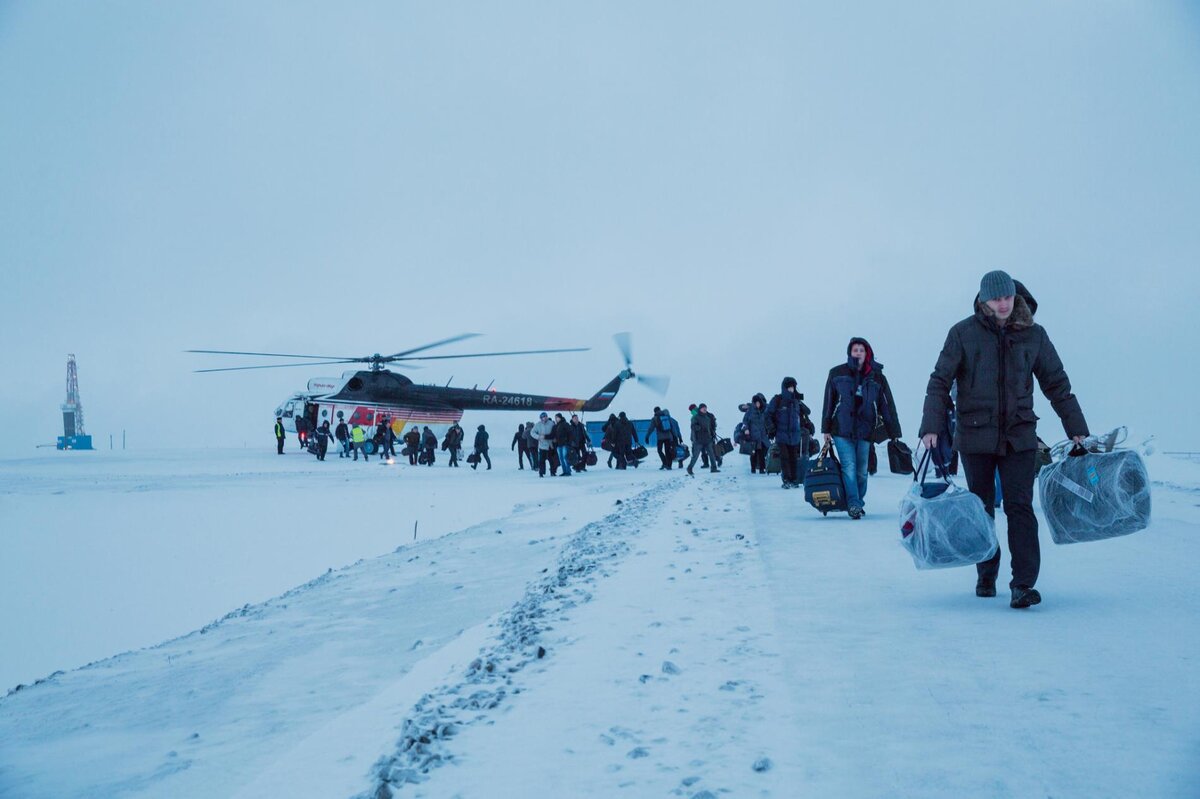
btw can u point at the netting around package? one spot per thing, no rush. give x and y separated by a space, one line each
951 529
1095 496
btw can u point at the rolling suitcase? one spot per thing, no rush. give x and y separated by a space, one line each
823 486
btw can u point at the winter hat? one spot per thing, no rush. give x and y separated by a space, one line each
544 415
996 284
788 382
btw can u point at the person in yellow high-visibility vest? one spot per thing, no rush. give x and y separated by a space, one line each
359 437
279 434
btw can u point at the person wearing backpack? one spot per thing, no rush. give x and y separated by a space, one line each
994 356
787 423
857 398
666 432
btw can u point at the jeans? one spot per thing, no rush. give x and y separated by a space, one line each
854 456
564 459
1017 472
666 451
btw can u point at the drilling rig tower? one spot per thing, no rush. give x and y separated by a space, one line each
73 436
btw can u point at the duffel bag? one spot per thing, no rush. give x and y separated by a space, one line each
944 525
1090 496
823 486
590 459
899 457
473 458
682 452
639 452
774 464
722 446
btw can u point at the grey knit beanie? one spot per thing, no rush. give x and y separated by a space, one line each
996 284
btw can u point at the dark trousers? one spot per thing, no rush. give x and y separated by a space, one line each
454 456
1017 471
483 455
789 457
322 448
521 458
545 457
666 451
758 459
412 455
582 466
389 448
279 445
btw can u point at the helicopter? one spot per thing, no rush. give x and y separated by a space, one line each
368 396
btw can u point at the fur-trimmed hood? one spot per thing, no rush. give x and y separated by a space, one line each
1021 318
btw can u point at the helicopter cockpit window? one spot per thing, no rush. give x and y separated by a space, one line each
355 384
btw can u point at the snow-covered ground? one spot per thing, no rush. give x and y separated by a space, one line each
613 633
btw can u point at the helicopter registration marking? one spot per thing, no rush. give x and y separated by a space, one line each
508 399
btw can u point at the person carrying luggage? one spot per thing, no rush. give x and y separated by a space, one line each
323 436
481 447
702 438
666 432
994 355
788 423
857 400
754 431
562 443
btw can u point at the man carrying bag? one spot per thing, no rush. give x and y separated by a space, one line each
994 356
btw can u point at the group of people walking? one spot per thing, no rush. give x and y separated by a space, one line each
420 445
978 404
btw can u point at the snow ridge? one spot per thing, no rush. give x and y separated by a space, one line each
489 680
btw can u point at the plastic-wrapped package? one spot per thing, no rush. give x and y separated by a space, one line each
1095 495
948 529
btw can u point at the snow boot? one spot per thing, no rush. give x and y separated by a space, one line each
1023 597
855 513
985 587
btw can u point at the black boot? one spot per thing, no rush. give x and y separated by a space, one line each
985 587
1023 597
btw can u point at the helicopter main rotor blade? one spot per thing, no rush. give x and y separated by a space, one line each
443 342
276 355
487 354
625 345
276 366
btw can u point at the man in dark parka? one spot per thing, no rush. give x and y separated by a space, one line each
994 355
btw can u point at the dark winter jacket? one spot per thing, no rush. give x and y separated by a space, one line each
341 432
579 436
323 434
279 431
519 438
856 399
994 367
454 438
562 433
481 440
428 440
620 433
413 438
787 416
754 422
703 428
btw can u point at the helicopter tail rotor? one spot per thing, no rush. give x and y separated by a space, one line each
656 383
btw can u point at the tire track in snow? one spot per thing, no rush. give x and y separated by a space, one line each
490 679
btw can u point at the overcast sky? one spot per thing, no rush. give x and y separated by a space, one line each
743 186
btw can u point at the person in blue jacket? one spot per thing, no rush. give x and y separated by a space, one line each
754 426
789 425
858 400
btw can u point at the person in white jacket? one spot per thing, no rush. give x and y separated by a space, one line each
543 433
